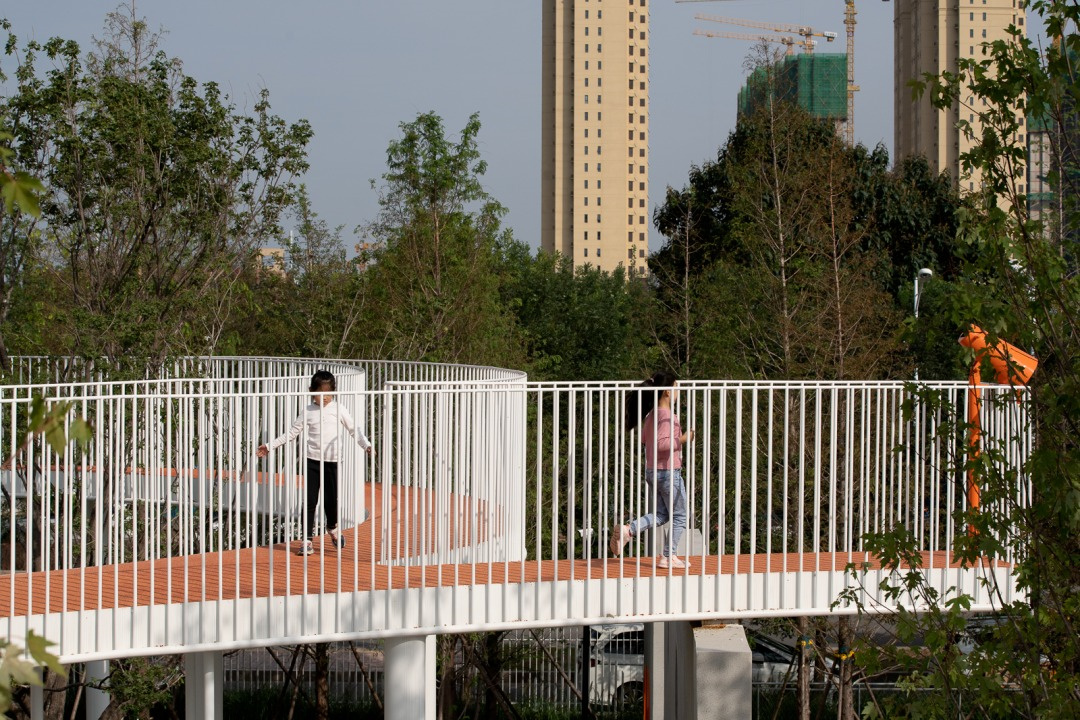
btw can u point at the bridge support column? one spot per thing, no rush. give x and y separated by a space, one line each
669 660
724 673
410 678
96 700
37 698
203 683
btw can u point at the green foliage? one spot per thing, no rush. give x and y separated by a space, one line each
437 241
576 324
154 189
1019 281
16 670
786 256
138 685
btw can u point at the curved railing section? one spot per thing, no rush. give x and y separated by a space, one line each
487 503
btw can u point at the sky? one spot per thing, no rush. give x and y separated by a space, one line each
357 69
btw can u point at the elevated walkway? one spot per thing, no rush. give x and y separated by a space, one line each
486 506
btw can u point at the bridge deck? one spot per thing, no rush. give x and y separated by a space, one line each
278 571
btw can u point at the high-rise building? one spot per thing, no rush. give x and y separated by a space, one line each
596 132
930 37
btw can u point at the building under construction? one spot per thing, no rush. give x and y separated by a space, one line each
815 82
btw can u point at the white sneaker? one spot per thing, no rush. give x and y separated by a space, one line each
338 538
671 562
620 535
306 549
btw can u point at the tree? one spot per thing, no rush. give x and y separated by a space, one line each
575 323
438 238
1019 283
155 189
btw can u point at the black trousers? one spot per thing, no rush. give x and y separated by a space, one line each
324 474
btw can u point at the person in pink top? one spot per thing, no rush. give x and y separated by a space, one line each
664 439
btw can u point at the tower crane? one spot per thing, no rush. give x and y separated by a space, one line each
787 40
806 31
849 23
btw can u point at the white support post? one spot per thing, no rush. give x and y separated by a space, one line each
96 700
410 678
203 683
37 698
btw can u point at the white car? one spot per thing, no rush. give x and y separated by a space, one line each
617 664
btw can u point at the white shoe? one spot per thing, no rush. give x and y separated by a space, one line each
338 538
620 535
306 549
671 562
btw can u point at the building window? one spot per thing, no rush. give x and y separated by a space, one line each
630 236
586 184
630 152
586 149
586 114
599 31
642 117
597 199
599 150
641 187
586 234
599 48
629 219
597 252
641 236
641 220
630 252
586 251
630 168
641 202
630 186
586 82
641 169
586 64
598 168
586 31
599 64
598 217
641 253
586 202
599 184
631 32
629 202
631 68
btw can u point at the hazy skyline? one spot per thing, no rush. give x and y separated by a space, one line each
357 70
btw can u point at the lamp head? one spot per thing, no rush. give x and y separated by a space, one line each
925 272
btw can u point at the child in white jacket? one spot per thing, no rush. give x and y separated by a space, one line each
321 418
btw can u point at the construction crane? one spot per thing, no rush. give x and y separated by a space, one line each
849 23
807 32
787 40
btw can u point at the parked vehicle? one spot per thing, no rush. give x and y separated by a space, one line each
617 664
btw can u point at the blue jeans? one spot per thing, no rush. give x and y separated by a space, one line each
670 505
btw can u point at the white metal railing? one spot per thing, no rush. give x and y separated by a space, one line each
487 504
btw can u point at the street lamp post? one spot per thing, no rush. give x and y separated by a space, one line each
923 273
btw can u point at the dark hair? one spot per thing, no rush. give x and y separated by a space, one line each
323 380
639 403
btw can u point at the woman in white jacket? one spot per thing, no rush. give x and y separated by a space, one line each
322 418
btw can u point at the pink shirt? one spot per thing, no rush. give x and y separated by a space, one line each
662 436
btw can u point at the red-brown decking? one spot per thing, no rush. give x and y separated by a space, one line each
279 571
